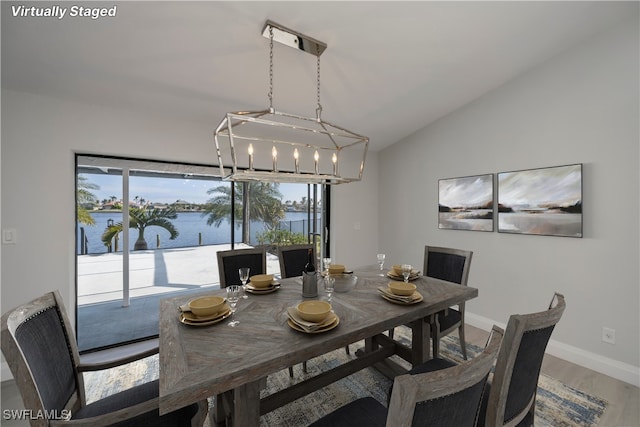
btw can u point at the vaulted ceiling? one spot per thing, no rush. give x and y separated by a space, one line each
390 67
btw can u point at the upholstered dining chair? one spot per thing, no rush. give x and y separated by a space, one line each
451 265
40 349
293 258
229 262
511 398
446 397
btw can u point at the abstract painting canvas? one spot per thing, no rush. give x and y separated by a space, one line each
466 203
546 201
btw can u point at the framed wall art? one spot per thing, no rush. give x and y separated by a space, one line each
466 203
545 201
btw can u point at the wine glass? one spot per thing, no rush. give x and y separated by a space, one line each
326 262
406 272
233 296
244 276
381 258
328 286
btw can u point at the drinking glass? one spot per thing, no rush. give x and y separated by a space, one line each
233 296
328 286
381 258
326 262
406 272
244 276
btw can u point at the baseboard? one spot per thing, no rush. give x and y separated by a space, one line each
607 366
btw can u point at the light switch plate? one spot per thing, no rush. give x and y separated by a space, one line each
9 236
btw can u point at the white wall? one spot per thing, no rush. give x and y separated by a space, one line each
39 138
354 218
581 107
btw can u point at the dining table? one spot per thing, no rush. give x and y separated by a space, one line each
197 362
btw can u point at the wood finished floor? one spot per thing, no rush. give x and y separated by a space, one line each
624 399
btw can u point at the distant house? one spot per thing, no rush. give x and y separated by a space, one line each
183 205
110 206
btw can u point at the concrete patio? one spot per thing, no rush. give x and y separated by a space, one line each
102 319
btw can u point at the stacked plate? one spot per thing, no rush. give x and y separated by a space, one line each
413 276
274 286
188 318
301 325
415 298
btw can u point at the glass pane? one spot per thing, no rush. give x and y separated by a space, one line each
171 248
179 217
99 267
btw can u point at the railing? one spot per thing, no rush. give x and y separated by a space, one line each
294 226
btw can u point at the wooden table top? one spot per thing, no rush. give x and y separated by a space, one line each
199 362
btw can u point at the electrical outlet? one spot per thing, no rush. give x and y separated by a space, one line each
608 335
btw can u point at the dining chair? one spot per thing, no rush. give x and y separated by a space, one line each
451 265
39 346
230 261
293 258
511 397
445 397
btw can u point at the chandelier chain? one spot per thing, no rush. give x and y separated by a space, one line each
271 69
319 108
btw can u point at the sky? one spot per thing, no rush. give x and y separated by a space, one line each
560 185
466 191
158 190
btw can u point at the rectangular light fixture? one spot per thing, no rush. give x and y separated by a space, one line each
293 39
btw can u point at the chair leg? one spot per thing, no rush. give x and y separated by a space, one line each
391 332
304 366
346 348
435 336
291 371
463 343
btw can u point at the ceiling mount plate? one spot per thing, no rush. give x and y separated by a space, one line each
293 39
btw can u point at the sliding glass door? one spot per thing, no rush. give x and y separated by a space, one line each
179 216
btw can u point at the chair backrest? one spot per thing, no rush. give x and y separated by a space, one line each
293 258
229 262
38 344
515 381
447 264
446 397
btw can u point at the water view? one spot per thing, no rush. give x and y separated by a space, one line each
192 228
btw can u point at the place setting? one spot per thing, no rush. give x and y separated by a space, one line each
312 317
262 284
402 293
204 311
403 272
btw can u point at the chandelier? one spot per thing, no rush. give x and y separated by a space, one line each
274 146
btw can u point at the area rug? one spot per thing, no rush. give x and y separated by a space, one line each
558 405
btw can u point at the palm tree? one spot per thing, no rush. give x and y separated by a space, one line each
140 219
83 195
264 204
